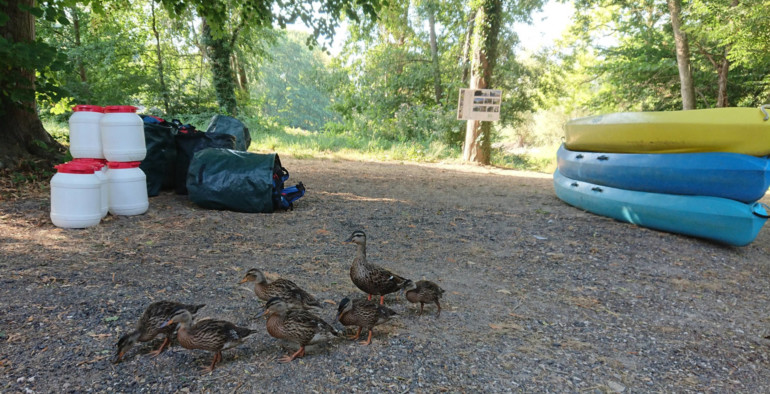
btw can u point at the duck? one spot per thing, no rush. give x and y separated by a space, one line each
363 313
208 334
281 288
149 326
296 325
370 278
423 291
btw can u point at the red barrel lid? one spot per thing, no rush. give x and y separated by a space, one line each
96 163
74 168
123 164
119 108
87 108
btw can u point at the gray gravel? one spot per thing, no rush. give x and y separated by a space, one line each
539 296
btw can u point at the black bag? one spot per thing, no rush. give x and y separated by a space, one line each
240 181
188 141
159 164
228 125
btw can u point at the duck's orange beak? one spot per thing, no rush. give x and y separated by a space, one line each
167 323
244 280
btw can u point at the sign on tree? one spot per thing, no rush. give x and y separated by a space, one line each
479 104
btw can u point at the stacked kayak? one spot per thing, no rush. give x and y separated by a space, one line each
736 130
639 178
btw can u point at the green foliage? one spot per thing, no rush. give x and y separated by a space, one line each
638 70
294 84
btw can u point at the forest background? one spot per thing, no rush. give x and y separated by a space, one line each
389 89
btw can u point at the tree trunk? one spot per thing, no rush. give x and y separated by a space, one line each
434 54
219 52
76 30
682 55
161 79
24 143
478 138
466 60
722 70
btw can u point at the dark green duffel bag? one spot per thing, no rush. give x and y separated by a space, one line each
235 180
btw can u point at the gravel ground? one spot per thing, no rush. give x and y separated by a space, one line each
539 296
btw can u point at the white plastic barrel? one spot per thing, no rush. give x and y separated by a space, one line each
127 188
100 170
75 196
85 133
122 133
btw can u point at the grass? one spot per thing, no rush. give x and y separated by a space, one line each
346 145
360 146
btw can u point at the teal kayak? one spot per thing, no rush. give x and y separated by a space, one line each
714 218
718 174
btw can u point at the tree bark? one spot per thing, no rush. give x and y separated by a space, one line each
478 134
682 55
723 70
219 52
76 30
434 54
161 80
466 60
24 143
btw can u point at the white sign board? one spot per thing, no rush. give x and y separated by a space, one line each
479 104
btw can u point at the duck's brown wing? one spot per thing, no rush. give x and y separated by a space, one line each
429 288
384 281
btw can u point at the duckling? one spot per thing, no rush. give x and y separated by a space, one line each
149 326
363 313
282 288
423 291
295 325
371 278
208 334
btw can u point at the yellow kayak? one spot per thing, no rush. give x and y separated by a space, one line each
737 130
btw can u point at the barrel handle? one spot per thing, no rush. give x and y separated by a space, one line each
763 108
763 205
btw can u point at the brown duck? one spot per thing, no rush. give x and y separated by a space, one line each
296 325
371 278
149 326
208 334
363 313
281 288
424 291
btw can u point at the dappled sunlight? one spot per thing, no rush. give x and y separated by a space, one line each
55 239
353 197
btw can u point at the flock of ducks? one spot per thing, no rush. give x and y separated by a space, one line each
292 313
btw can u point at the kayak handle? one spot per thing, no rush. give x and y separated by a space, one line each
602 158
763 108
760 205
574 184
579 156
597 189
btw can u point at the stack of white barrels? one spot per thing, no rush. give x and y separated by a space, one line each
107 145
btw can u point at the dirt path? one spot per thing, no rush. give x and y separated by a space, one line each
539 296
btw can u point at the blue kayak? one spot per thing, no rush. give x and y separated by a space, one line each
718 174
718 219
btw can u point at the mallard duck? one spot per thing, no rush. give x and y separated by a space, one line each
281 288
149 326
371 278
363 313
208 334
295 325
423 291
